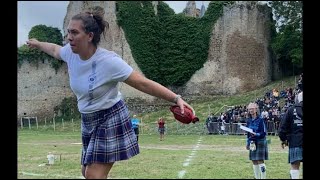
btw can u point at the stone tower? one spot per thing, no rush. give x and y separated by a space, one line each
191 9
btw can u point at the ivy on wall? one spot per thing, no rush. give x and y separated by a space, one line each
32 55
168 48
67 109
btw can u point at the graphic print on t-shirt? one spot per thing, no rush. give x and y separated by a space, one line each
92 78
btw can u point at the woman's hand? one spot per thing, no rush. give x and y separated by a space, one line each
181 103
48 48
253 134
33 43
284 144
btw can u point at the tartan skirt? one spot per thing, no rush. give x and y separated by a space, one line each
295 154
108 136
261 152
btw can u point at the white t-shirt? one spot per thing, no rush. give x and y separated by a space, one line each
264 114
95 81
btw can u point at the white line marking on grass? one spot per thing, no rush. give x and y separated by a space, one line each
181 174
188 160
48 175
75 135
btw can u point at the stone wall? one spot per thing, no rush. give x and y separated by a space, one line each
239 59
41 88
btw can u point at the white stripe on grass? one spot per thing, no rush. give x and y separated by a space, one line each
181 174
188 160
185 164
47 175
56 175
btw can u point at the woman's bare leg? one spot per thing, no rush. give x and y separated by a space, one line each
97 170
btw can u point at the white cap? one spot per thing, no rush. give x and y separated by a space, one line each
300 97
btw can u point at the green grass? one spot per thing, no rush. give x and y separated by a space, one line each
216 157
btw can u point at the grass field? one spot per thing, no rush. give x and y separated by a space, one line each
192 156
178 156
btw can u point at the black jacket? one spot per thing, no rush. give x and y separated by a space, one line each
291 126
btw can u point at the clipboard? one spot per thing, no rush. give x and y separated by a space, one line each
246 129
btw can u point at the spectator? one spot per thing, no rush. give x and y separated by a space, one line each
161 128
223 127
265 115
135 125
291 133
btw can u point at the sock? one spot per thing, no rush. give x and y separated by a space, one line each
256 171
263 171
294 174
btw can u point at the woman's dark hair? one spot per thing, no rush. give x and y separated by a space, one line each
93 21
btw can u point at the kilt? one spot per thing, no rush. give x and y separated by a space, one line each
295 154
108 136
261 152
161 130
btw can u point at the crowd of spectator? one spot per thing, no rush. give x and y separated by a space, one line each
269 109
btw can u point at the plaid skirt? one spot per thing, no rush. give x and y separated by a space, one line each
295 154
108 136
261 152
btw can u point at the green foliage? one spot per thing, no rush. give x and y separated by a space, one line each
169 48
287 13
44 34
287 43
68 109
288 46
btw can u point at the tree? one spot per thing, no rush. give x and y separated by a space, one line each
45 34
287 13
287 43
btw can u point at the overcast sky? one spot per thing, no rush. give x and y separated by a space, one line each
52 13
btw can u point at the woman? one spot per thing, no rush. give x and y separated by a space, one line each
161 128
256 142
107 134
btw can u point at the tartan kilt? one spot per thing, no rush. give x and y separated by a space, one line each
261 152
108 136
295 154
